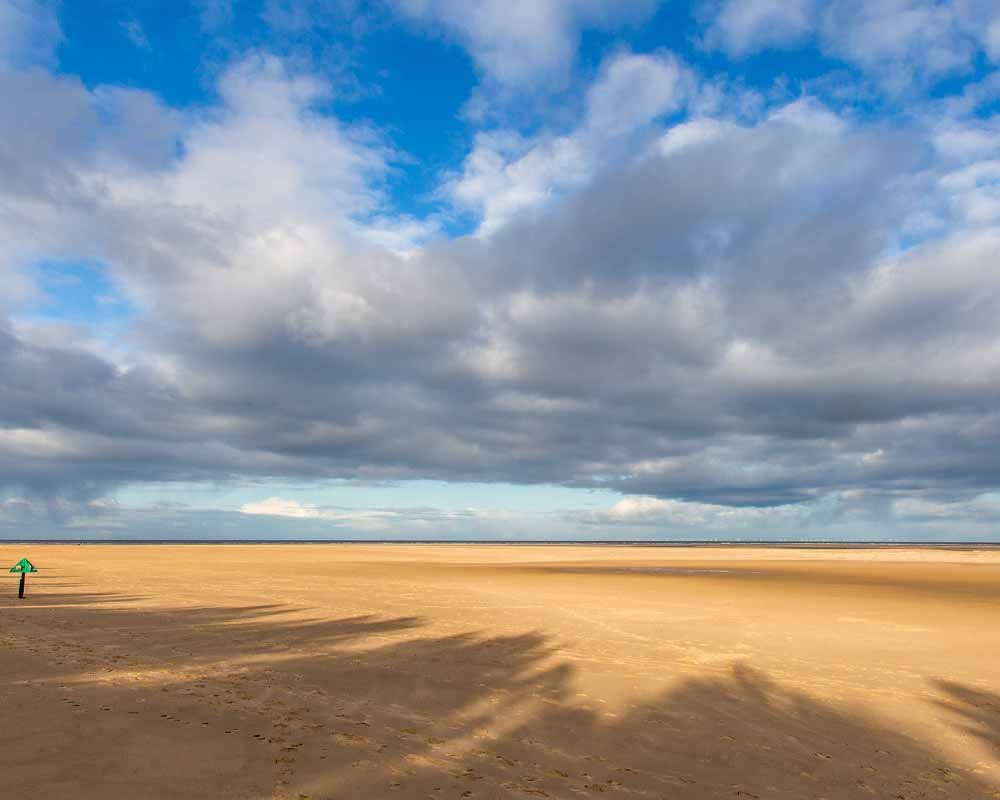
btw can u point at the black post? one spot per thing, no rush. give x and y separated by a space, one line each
20 589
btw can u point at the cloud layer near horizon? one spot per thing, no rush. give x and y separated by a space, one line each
710 301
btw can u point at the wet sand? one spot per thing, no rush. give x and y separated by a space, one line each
436 671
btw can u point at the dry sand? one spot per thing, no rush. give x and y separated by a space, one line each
351 671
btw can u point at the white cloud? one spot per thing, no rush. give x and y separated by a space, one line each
268 156
693 134
422 521
897 42
971 148
631 508
361 519
902 39
643 510
964 140
506 175
279 507
632 91
744 26
521 41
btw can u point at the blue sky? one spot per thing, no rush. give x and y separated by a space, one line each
550 269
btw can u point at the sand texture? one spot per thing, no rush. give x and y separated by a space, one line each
428 671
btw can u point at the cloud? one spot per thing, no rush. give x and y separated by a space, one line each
136 34
982 508
421 522
670 515
279 507
29 33
631 508
741 27
896 42
717 315
506 175
214 14
520 42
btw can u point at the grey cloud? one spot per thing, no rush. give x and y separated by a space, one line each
778 206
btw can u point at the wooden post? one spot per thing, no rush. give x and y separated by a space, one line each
20 589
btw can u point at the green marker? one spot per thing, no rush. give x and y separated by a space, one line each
24 567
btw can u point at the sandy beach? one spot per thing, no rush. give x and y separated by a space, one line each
474 671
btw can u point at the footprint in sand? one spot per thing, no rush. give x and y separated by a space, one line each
530 790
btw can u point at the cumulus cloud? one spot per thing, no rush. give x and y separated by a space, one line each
895 41
525 40
506 175
744 26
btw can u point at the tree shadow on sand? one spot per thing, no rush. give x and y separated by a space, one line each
258 702
976 711
738 735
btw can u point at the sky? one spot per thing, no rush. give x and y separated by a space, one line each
517 269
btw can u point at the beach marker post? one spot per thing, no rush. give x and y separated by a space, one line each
24 567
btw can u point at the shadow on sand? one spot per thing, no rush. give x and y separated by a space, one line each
977 712
259 702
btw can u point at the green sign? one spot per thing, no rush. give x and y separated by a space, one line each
23 566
